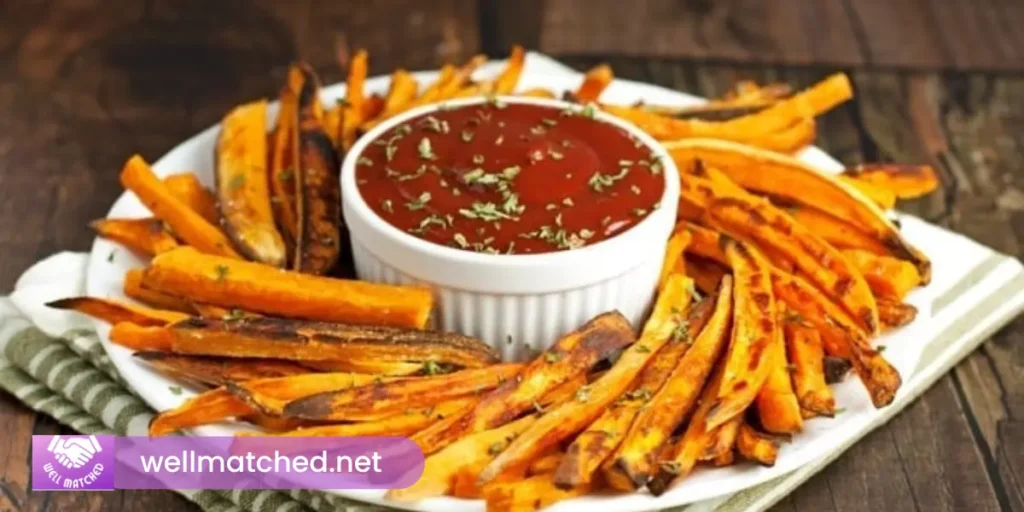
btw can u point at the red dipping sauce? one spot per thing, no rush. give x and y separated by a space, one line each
510 178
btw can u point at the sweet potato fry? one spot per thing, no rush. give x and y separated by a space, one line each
391 368
634 461
284 160
674 255
594 83
705 273
747 365
144 236
400 395
545 464
319 243
218 371
905 181
134 289
777 404
806 355
114 311
599 441
464 483
790 140
183 220
884 198
888 277
402 424
534 493
509 78
401 92
303 340
462 76
572 355
187 189
539 92
138 337
895 314
837 232
243 191
836 369
352 116
720 442
254 287
705 242
755 446
791 180
441 467
571 417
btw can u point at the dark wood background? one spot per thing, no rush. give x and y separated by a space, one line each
85 83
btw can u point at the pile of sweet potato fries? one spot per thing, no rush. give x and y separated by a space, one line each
774 283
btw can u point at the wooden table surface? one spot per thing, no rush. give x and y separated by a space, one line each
84 84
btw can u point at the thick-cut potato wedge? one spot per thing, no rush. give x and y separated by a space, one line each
706 274
390 368
134 289
533 493
183 220
787 178
747 365
888 277
755 446
759 221
284 160
905 181
895 314
837 232
571 417
402 394
144 236
635 460
440 468
114 311
352 116
187 189
509 78
595 81
574 354
218 371
303 340
595 444
777 404
807 355
243 191
884 198
139 337
674 255
254 287
837 328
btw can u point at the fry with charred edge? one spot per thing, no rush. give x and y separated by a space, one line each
440 468
243 185
392 368
572 355
571 417
134 289
211 311
218 371
113 311
705 242
888 277
705 273
594 83
634 462
144 236
878 376
721 440
837 232
807 355
787 178
673 255
822 264
905 181
755 446
255 287
284 161
777 404
319 209
747 364
187 189
302 340
138 337
183 220
400 395
895 314
352 116
884 198
509 77
533 493
219 404
594 445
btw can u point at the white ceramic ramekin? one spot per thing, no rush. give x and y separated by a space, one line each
519 304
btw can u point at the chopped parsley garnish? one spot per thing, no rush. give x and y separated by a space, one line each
237 181
175 390
386 206
419 203
426 150
484 211
599 182
222 272
364 160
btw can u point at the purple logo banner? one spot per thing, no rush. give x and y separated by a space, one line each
73 463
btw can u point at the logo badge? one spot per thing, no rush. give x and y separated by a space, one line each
72 463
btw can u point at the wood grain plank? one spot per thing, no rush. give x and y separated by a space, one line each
901 34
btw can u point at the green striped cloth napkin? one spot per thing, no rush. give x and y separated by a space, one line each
53 362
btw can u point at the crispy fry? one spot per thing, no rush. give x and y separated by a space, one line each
255 287
777 404
464 482
284 161
790 140
807 355
144 236
352 116
571 417
757 447
888 277
905 181
533 493
392 368
243 185
461 77
185 222
211 311
837 232
572 355
114 311
705 273
895 314
400 395
705 243
509 77
674 255
884 198
218 371
401 92
402 424
302 340
634 461
594 83
545 464
720 442
747 366
539 92
138 337
187 189
134 289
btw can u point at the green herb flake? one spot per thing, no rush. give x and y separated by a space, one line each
286 175
431 368
364 160
237 181
222 272
599 182
175 390
643 349
110 257
583 394
419 203
466 135
426 150
552 357
234 314
386 206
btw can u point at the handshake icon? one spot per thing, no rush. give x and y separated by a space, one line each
74 452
